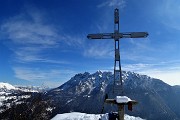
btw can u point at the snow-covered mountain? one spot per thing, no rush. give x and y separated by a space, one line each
9 87
23 103
6 86
84 116
10 94
85 93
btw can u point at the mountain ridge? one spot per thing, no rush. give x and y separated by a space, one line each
10 94
85 93
85 89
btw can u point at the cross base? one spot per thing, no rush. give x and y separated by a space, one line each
121 101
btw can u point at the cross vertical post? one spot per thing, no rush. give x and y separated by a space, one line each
117 65
118 83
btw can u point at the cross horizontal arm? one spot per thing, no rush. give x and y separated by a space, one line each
118 35
135 35
100 36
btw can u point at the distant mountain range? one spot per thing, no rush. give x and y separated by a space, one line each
85 93
10 94
23 103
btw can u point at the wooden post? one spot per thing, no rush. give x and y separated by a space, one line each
121 112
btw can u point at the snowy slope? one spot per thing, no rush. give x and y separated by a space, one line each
13 94
9 87
84 116
6 86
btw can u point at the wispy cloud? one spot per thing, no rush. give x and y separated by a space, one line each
23 31
104 48
99 50
170 77
32 37
33 54
141 43
133 50
52 84
38 74
167 71
113 3
167 13
158 66
137 67
74 40
136 49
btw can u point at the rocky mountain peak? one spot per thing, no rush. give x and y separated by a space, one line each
85 93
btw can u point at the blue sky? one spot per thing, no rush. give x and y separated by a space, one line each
43 42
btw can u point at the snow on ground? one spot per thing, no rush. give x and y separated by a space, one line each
76 116
84 116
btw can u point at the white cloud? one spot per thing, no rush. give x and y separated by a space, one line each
136 67
140 43
166 71
31 37
113 3
170 77
52 84
136 50
131 50
74 40
99 50
54 61
24 31
168 11
37 74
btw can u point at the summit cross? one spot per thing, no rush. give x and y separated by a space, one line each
118 84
